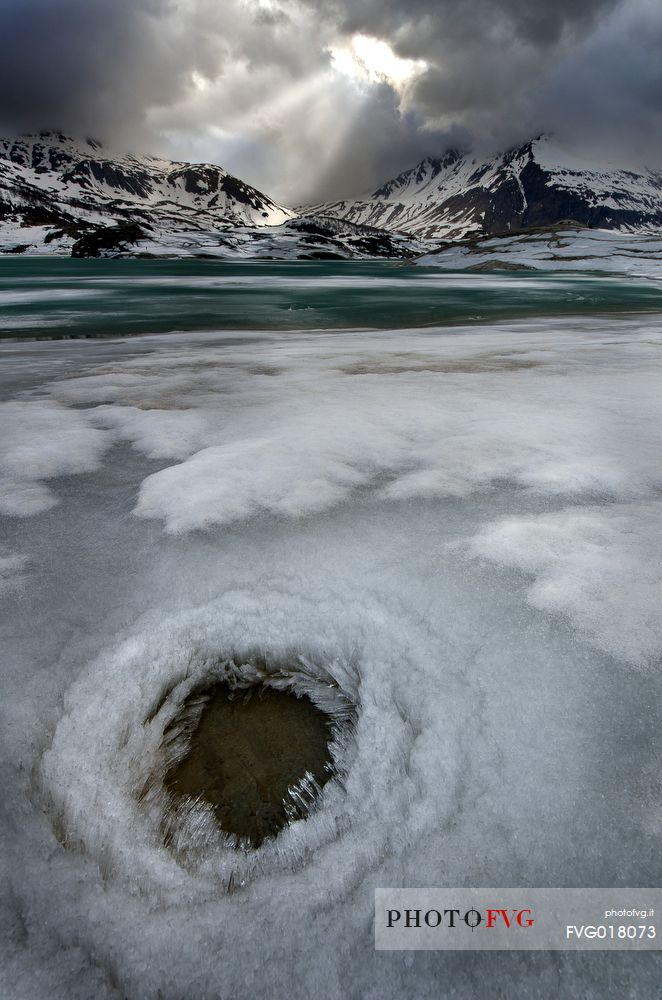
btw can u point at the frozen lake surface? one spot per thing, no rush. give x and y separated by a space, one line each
455 527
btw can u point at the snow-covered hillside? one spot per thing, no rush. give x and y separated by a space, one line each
537 184
563 248
73 197
309 237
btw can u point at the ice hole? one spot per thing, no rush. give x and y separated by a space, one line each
258 756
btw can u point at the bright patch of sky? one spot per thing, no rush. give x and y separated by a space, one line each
372 60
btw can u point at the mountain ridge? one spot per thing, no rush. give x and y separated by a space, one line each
73 196
458 195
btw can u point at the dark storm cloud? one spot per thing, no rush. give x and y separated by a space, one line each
482 54
78 63
105 63
421 25
251 83
607 95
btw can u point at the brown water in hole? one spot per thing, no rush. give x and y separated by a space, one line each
246 753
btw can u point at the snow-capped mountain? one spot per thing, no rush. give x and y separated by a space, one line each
536 184
65 196
82 179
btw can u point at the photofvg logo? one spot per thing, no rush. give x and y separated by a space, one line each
516 919
453 918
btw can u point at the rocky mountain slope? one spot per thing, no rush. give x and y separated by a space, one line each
64 196
534 185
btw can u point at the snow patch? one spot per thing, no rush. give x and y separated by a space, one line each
41 440
600 566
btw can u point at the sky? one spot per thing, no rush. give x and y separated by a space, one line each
318 99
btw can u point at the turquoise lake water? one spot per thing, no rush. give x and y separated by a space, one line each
46 297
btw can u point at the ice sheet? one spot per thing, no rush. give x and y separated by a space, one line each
459 528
